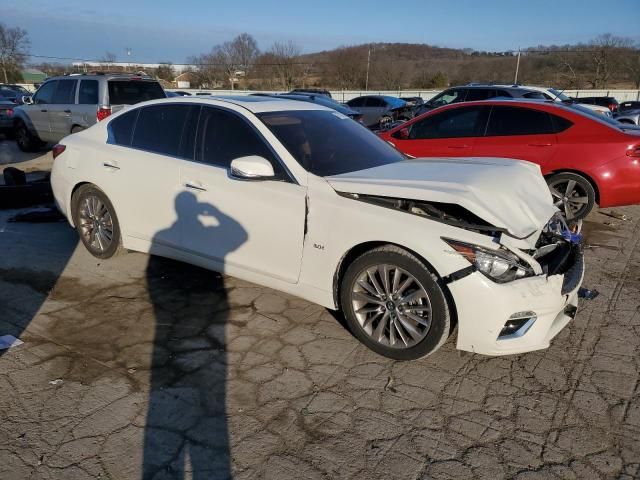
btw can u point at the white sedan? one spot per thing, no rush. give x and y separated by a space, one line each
300 198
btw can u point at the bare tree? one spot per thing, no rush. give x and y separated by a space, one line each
14 48
210 68
606 57
165 71
285 56
108 57
237 55
347 67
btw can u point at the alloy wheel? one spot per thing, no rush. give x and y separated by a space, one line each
570 197
96 224
391 306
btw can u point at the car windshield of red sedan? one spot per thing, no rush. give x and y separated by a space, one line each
329 143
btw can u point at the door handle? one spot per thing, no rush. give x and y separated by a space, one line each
44 111
111 166
458 146
192 186
67 111
539 144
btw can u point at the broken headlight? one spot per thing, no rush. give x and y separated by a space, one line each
501 266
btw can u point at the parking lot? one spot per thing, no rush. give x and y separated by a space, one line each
140 366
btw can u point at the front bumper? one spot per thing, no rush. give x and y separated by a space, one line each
483 308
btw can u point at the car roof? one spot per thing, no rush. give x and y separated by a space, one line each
253 103
105 75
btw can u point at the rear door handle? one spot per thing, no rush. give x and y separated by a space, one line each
458 146
111 166
44 111
539 144
67 111
193 186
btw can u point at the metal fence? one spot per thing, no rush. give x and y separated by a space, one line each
346 95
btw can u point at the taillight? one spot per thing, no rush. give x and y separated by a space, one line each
103 112
633 151
58 149
9 112
613 107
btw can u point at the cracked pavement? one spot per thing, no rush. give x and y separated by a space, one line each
140 367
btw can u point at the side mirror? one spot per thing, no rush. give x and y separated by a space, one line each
402 134
27 100
252 167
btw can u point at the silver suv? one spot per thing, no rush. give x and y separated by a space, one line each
68 104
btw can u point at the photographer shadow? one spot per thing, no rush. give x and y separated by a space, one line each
186 433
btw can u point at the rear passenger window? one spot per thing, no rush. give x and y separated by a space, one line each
88 93
454 123
223 137
518 121
476 94
159 128
128 92
121 128
560 124
66 92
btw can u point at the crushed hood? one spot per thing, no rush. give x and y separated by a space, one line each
509 194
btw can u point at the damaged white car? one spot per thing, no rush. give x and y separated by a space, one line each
300 198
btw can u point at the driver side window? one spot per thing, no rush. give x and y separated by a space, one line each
44 94
449 96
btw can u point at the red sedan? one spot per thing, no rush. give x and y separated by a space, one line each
586 158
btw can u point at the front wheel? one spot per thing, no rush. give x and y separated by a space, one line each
96 222
394 304
572 194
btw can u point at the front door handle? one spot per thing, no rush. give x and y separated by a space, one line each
67 111
539 144
111 166
44 111
193 186
458 146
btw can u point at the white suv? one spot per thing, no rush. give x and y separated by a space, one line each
302 199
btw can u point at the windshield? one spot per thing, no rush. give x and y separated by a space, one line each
559 95
329 143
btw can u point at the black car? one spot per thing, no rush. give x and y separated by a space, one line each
413 101
610 102
477 91
320 100
312 91
13 93
628 106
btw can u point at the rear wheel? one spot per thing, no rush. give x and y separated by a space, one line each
394 305
27 142
76 129
572 194
385 122
96 222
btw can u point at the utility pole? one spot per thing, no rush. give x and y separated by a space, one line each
515 81
366 82
129 56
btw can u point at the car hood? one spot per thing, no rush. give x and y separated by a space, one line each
508 194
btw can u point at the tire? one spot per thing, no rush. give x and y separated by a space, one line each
76 129
96 222
27 141
424 296
572 194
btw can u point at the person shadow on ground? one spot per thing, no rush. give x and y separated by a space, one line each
186 432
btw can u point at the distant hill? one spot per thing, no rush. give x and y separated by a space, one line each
407 65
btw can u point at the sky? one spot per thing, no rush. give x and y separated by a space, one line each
161 30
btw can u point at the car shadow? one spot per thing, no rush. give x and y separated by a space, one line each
186 433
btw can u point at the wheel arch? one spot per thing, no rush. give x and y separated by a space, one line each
586 176
354 252
72 206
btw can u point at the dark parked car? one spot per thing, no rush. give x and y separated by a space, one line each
380 111
6 116
314 91
320 100
626 106
610 102
13 93
413 101
476 91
